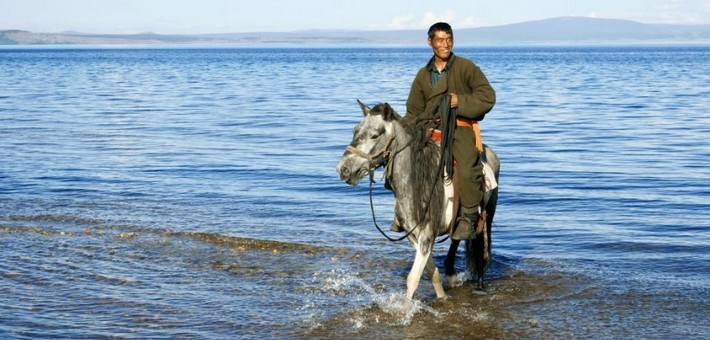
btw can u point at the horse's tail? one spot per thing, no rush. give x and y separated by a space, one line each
478 250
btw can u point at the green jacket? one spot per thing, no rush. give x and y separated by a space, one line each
463 77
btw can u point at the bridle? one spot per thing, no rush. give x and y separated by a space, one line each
374 161
377 159
386 157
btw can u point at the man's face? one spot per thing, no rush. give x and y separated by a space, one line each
442 43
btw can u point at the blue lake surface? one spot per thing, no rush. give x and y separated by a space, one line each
191 192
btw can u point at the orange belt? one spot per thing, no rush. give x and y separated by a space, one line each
476 130
436 134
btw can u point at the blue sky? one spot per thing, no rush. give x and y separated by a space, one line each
221 16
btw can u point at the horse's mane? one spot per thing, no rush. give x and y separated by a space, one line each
424 166
424 172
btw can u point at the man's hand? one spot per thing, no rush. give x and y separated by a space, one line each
454 100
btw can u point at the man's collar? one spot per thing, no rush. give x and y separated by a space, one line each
432 66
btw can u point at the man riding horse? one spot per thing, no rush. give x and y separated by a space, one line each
472 96
426 204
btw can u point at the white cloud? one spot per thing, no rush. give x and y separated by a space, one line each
468 22
432 17
409 21
401 22
682 12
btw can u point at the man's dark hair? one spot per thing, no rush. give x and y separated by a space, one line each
440 26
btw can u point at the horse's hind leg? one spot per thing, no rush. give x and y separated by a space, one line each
449 263
476 259
433 271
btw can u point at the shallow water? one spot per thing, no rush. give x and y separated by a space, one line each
192 193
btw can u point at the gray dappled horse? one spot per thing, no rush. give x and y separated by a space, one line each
411 160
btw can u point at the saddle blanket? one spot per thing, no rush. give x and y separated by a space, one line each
489 179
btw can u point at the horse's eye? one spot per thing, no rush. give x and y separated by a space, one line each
374 136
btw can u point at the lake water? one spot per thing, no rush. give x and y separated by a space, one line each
191 192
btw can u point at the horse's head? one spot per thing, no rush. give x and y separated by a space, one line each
371 138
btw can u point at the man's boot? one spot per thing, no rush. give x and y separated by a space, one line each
465 224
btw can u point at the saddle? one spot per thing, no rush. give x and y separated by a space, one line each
490 182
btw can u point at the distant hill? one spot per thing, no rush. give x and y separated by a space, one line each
580 29
555 30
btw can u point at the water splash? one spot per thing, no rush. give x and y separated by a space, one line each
458 279
365 303
401 308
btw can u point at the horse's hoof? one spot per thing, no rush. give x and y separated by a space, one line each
478 291
451 281
481 286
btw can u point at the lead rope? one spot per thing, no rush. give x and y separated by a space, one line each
409 232
374 220
446 160
448 117
388 172
448 126
446 156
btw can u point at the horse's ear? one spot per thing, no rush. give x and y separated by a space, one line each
365 109
387 112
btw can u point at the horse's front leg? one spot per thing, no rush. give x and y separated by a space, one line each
423 252
449 263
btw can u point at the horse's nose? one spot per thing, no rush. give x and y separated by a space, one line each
345 172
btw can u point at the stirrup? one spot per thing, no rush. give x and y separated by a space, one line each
459 234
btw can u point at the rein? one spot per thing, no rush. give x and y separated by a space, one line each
374 161
385 156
